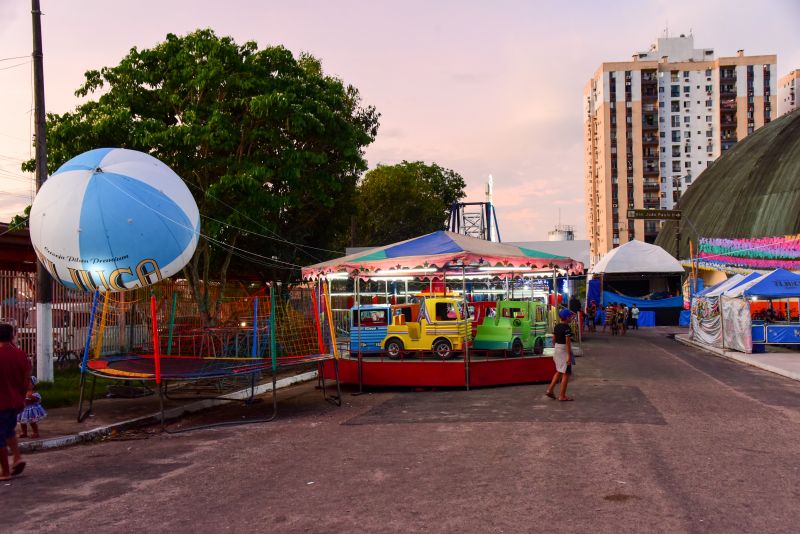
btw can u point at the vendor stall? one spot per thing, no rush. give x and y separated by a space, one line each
778 293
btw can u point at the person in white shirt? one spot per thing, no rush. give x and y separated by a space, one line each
634 317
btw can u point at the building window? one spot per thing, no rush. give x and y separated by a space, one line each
675 106
709 103
686 119
674 75
676 151
676 121
708 72
686 88
687 134
708 118
676 166
709 88
676 135
675 90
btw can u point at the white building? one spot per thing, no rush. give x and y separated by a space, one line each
788 87
653 124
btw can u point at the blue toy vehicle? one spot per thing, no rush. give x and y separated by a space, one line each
371 329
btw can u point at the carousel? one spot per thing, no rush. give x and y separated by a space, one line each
443 310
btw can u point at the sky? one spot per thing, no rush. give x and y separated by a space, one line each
479 87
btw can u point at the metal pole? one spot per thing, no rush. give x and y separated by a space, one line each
466 324
44 290
678 240
358 337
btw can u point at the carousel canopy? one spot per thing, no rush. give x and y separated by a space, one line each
436 252
637 257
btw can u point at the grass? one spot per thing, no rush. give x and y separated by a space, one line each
66 388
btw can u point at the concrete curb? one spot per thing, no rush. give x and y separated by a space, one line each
749 359
172 413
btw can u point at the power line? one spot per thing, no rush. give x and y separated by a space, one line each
276 236
209 238
16 57
17 65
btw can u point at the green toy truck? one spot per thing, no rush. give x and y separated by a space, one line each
517 326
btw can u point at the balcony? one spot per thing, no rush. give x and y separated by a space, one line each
651 186
728 120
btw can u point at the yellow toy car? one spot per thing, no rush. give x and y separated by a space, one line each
439 324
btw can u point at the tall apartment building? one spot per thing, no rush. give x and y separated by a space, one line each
653 124
788 87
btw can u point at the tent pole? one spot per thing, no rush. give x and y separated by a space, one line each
358 337
466 323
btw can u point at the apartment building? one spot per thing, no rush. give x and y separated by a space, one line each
787 92
653 124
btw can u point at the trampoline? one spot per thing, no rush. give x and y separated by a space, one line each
143 366
283 331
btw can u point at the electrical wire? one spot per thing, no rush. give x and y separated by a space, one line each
11 58
17 65
231 248
276 236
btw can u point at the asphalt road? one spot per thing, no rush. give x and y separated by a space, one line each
661 438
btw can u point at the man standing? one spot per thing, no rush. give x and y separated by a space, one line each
15 377
634 317
575 308
561 356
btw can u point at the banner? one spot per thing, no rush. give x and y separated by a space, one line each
706 324
738 328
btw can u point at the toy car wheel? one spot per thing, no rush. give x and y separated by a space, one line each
443 349
538 346
517 350
394 348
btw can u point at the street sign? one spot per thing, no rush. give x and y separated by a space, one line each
670 215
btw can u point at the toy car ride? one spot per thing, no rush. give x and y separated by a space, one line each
517 326
439 324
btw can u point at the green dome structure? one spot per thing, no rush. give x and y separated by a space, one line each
752 190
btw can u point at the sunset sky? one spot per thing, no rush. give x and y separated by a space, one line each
479 87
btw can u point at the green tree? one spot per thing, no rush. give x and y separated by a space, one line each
269 145
402 201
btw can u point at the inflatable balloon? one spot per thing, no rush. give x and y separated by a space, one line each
114 219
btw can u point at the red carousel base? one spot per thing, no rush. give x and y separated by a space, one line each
432 373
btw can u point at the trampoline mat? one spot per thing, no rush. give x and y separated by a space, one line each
142 366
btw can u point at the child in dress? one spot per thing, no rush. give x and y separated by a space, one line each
32 413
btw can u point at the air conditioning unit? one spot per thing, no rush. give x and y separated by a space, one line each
613 205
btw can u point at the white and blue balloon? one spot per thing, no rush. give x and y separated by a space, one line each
114 219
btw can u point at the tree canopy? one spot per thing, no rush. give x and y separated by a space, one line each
397 202
269 145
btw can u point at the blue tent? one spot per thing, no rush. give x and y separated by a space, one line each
779 284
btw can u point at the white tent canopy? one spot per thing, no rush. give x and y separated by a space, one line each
638 257
725 286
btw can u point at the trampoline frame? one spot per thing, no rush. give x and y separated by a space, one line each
273 367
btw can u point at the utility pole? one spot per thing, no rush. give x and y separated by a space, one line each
44 292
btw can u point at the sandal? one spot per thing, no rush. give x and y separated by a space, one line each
18 469
549 394
565 399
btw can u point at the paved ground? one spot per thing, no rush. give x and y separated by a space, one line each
661 438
